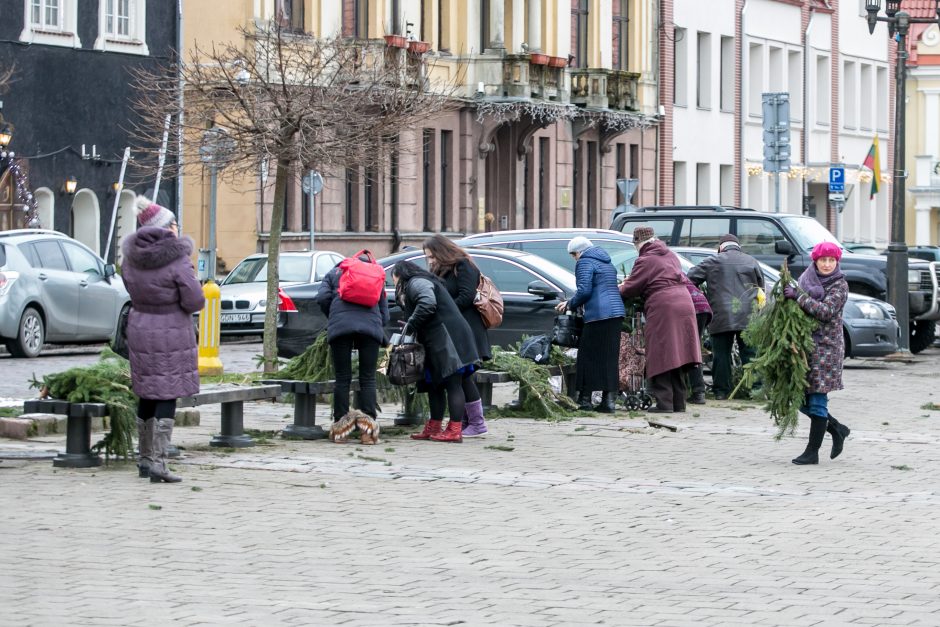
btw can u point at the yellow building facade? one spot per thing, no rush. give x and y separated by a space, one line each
555 100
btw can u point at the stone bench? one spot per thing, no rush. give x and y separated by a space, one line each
486 378
78 453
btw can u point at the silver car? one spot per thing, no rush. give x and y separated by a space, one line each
244 290
55 290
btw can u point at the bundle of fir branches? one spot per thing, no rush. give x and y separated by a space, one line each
539 399
782 335
107 381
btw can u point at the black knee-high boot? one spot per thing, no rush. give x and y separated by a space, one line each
839 433
817 431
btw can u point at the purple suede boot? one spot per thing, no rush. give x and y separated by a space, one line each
476 425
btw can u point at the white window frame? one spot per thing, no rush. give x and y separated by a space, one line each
135 41
63 33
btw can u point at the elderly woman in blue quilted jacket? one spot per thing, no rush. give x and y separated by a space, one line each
161 340
599 349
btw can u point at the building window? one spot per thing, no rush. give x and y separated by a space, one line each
775 75
350 204
881 83
849 96
52 22
592 205
679 191
579 32
703 186
290 14
866 94
443 20
635 161
703 97
544 165
621 34
726 97
356 19
484 24
620 171
726 184
755 80
681 76
446 142
122 26
371 200
45 14
427 191
304 211
795 83
823 92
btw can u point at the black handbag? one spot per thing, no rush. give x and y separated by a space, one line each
405 363
537 348
119 343
567 331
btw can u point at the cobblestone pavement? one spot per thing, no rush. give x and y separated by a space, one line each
592 521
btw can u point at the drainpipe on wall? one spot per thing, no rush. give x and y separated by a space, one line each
806 123
742 175
655 42
179 136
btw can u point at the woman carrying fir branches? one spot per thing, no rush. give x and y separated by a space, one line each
449 349
161 280
822 294
460 276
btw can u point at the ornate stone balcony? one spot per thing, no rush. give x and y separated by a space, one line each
604 89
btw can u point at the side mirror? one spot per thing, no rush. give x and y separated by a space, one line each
783 247
109 271
542 290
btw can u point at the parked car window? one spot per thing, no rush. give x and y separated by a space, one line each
81 260
3 255
757 236
293 269
31 256
419 261
808 232
50 255
508 277
662 228
325 263
246 271
703 232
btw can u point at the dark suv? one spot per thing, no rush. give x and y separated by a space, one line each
775 237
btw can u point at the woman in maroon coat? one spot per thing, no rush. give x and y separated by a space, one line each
670 319
160 278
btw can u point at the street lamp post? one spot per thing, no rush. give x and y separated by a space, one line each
899 24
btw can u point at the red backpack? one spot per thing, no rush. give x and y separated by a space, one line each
361 282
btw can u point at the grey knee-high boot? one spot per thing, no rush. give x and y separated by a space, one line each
163 431
145 446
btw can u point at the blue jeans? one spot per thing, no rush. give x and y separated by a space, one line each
816 404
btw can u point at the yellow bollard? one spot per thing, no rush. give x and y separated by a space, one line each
209 322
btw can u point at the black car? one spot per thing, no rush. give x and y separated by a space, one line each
552 244
531 286
777 237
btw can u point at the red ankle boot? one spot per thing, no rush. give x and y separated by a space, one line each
450 434
431 428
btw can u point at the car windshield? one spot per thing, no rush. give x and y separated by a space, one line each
808 232
291 269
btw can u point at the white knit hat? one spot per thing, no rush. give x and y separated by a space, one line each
579 244
150 213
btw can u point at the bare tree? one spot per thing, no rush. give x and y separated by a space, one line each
291 100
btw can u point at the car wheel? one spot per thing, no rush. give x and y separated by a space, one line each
922 335
30 336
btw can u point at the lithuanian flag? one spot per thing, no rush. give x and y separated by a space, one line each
873 163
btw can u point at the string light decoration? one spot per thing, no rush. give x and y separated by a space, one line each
21 188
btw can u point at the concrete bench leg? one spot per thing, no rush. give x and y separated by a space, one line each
233 427
77 445
486 394
409 417
570 379
305 419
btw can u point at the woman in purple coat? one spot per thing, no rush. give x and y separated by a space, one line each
822 293
671 332
160 278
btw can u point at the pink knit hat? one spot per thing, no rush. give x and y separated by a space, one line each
826 249
150 213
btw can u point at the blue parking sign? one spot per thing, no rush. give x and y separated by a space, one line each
837 179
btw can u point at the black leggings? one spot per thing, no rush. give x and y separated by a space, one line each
470 392
151 408
449 393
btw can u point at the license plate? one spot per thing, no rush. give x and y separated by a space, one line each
236 317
